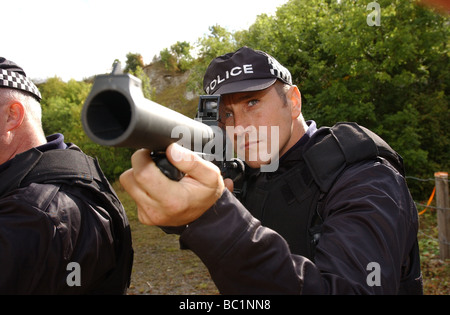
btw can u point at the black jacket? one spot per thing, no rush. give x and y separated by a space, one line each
368 243
55 210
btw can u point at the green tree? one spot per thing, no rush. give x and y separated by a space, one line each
178 57
182 53
168 60
61 107
134 60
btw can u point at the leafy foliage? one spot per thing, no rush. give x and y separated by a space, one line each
178 58
134 61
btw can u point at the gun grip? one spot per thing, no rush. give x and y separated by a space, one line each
166 167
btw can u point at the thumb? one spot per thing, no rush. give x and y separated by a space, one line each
190 163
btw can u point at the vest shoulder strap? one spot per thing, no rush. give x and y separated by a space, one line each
333 149
58 165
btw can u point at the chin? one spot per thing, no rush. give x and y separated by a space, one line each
254 164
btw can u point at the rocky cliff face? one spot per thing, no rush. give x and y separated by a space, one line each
161 79
171 89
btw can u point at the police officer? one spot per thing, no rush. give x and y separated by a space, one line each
335 217
62 228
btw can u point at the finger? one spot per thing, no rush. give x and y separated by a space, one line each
142 200
149 209
229 184
149 177
130 185
190 163
160 198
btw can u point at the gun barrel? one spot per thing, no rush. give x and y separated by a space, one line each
116 113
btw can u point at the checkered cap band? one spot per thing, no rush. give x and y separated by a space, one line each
15 80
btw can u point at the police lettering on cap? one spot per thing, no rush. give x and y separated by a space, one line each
243 71
12 76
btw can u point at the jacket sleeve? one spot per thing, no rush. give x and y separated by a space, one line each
367 220
242 256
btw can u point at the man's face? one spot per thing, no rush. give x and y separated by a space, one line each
259 124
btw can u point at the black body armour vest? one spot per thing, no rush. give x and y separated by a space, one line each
78 169
289 200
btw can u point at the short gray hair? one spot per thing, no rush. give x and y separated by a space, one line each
33 109
282 89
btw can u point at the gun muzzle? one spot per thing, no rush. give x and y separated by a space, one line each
116 113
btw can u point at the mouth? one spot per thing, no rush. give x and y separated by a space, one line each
249 144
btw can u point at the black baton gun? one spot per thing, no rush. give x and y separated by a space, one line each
116 113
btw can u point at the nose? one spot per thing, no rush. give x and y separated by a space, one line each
240 125
240 119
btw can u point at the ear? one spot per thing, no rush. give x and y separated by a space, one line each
16 115
295 99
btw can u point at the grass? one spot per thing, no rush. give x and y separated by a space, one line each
436 272
160 267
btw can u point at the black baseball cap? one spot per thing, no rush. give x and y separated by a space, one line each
244 70
12 76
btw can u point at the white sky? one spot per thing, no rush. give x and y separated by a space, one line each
79 38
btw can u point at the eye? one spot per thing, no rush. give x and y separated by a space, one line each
227 118
253 103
